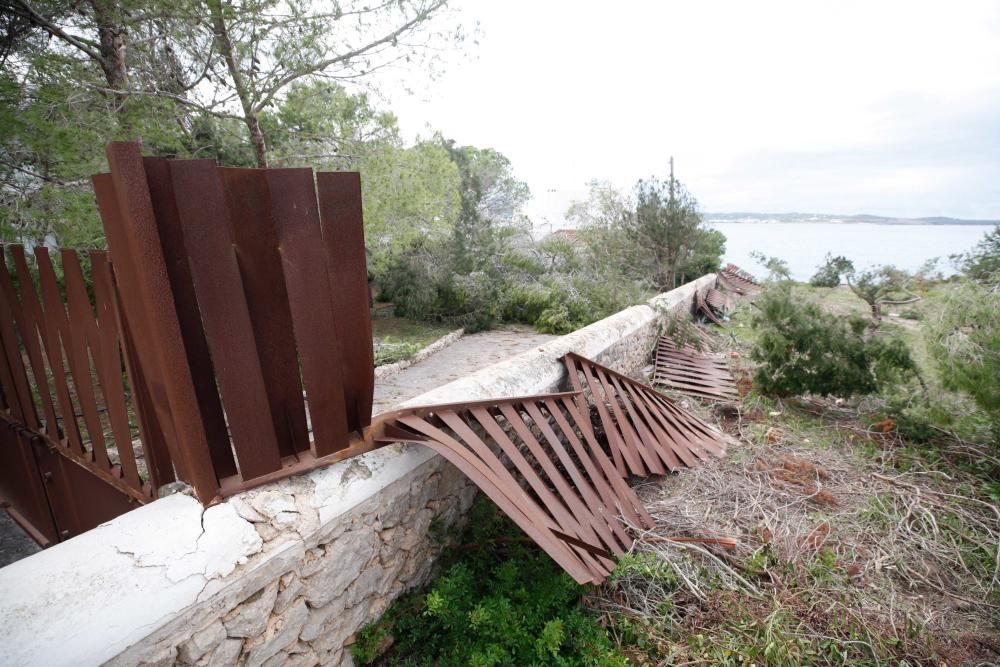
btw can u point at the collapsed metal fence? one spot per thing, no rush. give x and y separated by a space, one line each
739 281
224 339
689 366
692 371
559 486
556 464
646 432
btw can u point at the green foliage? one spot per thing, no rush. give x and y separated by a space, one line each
665 222
500 601
803 349
982 263
704 256
410 193
646 566
878 285
829 273
461 276
197 79
964 341
777 268
655 236
562 303
388 351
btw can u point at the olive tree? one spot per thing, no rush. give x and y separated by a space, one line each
879 286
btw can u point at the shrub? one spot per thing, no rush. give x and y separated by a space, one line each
803 349
878 286
390 352
421 287
412 281
560 304
829 273
473 301
777 268
964 340
982 263
501 601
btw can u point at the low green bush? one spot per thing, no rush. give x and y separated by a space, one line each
500 601
561 304
802 349
830 272
390 352
964 341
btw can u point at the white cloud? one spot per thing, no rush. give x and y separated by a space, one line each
790 105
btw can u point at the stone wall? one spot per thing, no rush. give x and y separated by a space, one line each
302 609
286 573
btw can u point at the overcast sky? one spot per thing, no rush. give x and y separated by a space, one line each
890 108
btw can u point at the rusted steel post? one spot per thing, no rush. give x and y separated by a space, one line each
130 225
344 236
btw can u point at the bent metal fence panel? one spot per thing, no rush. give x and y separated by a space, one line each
703 306
231 332
742 273
646 431
538 459
247 291
690 371
737 280
717 300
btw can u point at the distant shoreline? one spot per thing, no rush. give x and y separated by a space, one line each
793 218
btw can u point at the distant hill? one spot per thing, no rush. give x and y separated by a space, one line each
840 219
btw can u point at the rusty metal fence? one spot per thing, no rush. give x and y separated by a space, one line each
248 288
224 335
70 407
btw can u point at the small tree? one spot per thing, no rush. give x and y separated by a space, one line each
647 236
983 262
829 273
264 47
777 268
803 349
666 222
880 286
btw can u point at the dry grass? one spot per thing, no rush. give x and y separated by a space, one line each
839 558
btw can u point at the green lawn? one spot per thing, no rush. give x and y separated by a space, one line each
397 338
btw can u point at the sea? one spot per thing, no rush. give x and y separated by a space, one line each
804 244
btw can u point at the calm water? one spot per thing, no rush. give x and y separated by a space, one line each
803 244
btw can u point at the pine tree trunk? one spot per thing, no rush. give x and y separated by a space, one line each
111 34
257 138
239 84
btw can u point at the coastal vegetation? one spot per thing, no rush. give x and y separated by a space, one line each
861 505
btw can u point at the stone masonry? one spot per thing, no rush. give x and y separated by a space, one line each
341 577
